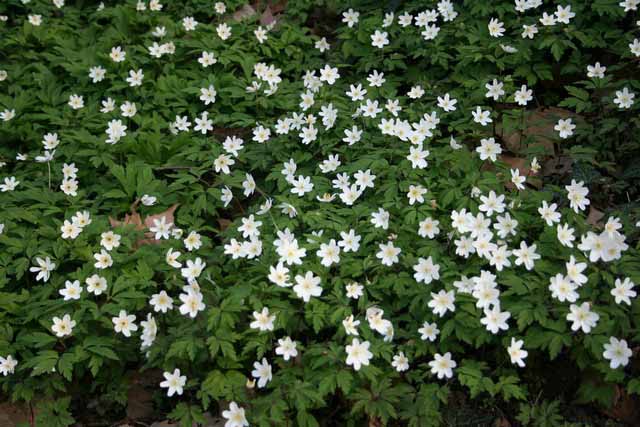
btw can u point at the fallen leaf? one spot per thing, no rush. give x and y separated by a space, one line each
625 408
135 219
267 17
224 223
557 166
139 403
502 422
164 423
245 11
168 214
595 216
539 125
524 166
13 414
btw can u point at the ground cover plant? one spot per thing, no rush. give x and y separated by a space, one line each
319 213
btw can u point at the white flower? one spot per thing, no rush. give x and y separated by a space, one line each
577 195
400 362
388 253
447 103
262 372
563 289
582 317
63 327
69 187
161 228
624 99
161 302
103 260
565 128
203 123
307 286
235 416
128 109
523 96
380 219
442 302
117 54
635 47
492 203
10 184
350 17
7 365
124 323
526 255
191 303
108 105
376 79
96 284
171 258
279 275
286 348
429 331
109 240
415 194
489 149
629 5
208 95
189 23
44 268
135 78
329 253
174 382
483 117
224 31
496 28
516 353
547 20
76 102
350 325
70 230
494 89
207 59
329 74
220 7
564 14
354 290
596 71
565 235
428 228
116 131
192 241
379 39
50 141
617 352
443 366
263 320
426 271
358 354
71 291
529 31
350 241
548 213
623 291
35 20
494 319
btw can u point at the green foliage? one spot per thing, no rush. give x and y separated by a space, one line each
543 414
216 348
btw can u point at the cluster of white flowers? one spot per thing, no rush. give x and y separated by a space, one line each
488 234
